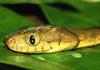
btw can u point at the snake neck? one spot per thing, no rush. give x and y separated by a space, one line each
87 37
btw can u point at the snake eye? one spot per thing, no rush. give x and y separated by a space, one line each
32 39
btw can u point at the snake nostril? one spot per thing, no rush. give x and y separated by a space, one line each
11 41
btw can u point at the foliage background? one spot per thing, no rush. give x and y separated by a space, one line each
64 13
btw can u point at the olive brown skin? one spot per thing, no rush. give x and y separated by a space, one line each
47 39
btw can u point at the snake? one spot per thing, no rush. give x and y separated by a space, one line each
49 38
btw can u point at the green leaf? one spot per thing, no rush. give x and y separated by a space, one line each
11 2
26 1
86 17
10 22
88 9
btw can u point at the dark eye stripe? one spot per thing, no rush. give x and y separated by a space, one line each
32 39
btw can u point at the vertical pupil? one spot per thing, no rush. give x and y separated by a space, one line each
32 39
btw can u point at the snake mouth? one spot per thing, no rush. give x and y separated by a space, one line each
6 43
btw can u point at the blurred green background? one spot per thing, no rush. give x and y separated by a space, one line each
78 14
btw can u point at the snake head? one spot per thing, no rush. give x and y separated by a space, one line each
41 39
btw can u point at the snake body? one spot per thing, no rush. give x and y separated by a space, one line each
47 39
